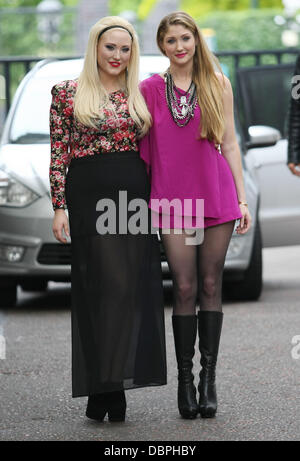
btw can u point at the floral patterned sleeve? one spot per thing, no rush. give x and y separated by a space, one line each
60 127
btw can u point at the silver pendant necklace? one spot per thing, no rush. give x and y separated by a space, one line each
183 104
183 110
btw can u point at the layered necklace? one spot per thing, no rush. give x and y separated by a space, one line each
183 110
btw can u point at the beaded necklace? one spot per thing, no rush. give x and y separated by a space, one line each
181 111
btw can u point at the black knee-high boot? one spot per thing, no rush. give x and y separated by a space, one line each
185 332
209 328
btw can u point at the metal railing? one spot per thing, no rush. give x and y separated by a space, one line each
236 59
8 62
258 55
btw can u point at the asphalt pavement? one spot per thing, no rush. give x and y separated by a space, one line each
258 373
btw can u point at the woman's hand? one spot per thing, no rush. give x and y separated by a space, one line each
294 168
60 223
245 221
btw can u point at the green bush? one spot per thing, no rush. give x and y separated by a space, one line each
199 9
117 6
141 7
19 37
21 3
245 31
145 8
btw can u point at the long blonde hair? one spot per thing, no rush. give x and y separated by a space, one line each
91 97
209 88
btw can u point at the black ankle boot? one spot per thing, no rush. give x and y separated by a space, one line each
97 406
185 331
113 403
209 327
116 406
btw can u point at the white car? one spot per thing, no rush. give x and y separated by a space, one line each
264 97
29 254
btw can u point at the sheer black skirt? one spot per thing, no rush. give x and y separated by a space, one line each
118 331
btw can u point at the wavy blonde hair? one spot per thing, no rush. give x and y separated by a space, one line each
91 97
208 85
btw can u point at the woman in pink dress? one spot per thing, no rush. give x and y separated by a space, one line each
193 157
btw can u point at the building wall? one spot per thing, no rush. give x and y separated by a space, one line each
148 35
89 12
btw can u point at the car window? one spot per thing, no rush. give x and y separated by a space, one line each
264 96
31 119
30 123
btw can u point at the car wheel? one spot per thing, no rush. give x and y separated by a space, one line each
34 285
8 292
250 287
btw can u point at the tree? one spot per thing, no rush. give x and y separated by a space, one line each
200 9
22 3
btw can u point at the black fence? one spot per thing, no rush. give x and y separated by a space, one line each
13 69
7 65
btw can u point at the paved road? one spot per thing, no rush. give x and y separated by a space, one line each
258 380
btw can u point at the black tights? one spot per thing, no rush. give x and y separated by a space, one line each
197 268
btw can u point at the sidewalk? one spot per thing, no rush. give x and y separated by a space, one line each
258 380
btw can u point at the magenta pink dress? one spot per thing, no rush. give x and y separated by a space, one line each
182 166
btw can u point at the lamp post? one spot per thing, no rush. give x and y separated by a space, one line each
49 19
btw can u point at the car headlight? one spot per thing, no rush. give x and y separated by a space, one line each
13 193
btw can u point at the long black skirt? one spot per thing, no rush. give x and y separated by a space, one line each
118 330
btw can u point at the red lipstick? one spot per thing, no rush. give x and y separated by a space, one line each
181 55
115 64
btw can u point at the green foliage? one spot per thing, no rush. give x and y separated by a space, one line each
21 3
245 30
145 8
19 36
270 3
117 6
197 9
141 7
201 8
17 3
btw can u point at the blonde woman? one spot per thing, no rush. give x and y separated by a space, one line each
118 340
192 153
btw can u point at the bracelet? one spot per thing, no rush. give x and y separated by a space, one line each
243 203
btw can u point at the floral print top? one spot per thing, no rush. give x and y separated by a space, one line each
71 139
